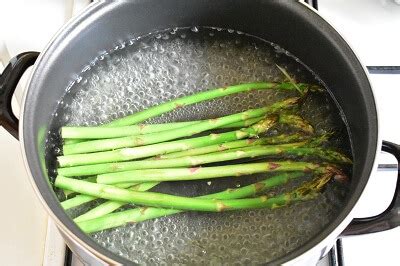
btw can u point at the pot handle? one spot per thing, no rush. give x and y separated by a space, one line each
8 82
388 219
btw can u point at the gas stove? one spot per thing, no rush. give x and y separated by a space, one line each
28 236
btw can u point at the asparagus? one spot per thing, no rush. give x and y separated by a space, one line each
167 201
146 213
67 193
199 97
82 199
96 169
296 122
162 148
141 214
73 141
142 140
110 206
243 123
80 134
195 173
157 199
295 149
115 132
280 139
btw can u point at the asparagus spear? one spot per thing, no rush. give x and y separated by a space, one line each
162 148
249 152
80 134
141 140
236 193
73 141
274 140
110 206
295 149
96 169
82 199
280 139
171 201
146 213
296 121
195 173
199 97
115 132
243 123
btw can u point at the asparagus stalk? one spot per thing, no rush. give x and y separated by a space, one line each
186 203
297 122
196 173
280 139
162 200
73 141
115 132
67 193
236 193
110 206
199 97
162 148
295 149
82 199
142 140
80 134
146 213
96 169
274 140
243 123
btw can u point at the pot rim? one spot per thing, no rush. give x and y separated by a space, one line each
328 234
331 237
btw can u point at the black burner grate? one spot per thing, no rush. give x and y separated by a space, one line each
313 3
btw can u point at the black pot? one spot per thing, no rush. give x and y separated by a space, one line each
291 24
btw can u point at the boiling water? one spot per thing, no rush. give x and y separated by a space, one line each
163 66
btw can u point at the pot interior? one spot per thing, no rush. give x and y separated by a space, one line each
81 43
179 62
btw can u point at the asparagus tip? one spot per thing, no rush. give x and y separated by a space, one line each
317 141
338 174
314 186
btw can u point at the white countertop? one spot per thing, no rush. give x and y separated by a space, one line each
371 27
25 26
23 224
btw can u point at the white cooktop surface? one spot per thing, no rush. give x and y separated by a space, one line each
370 26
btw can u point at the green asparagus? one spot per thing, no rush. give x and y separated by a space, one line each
295 149
110 206
297 122
168 201
142 140
195 173
280 139
235 193
82 199
199 97
70 133
127 154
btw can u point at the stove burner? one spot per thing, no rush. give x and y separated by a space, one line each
383 69
313 3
